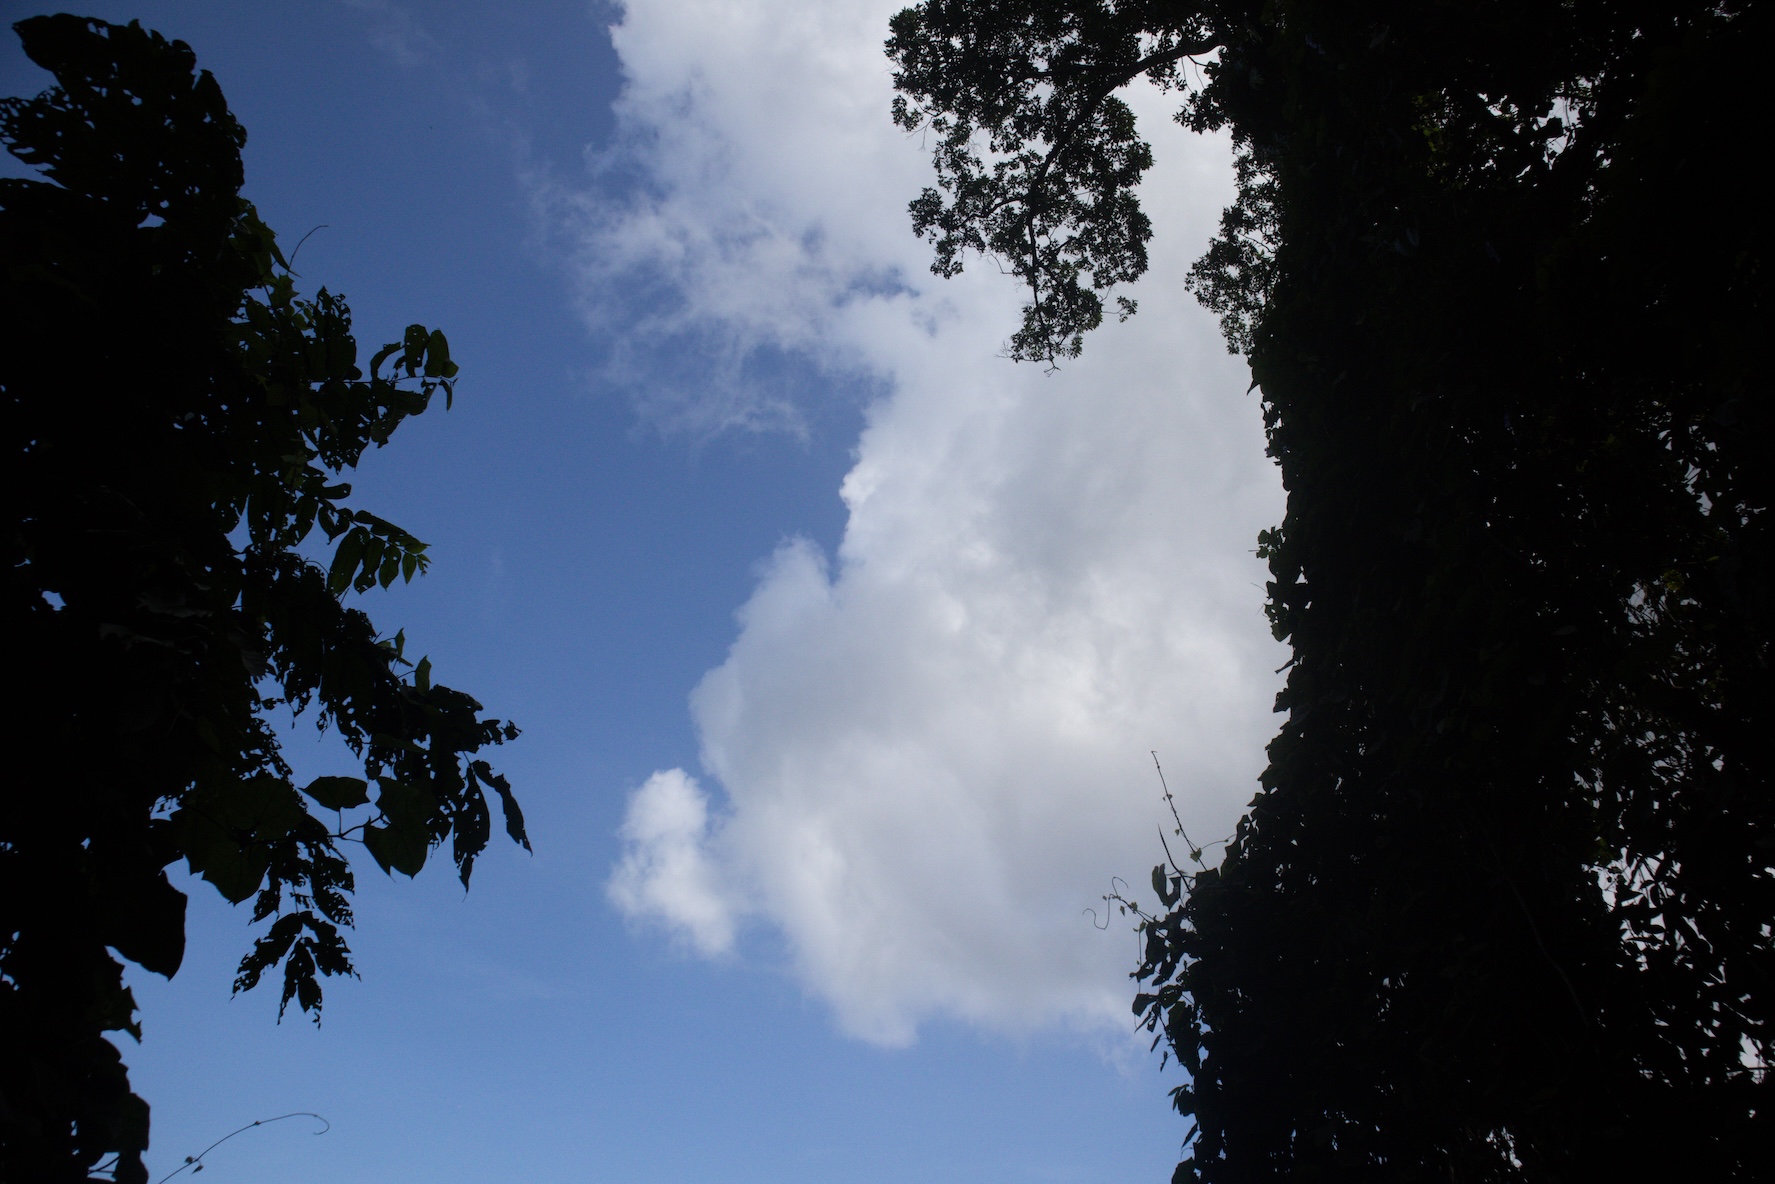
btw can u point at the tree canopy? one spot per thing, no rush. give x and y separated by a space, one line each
1502 907
176 420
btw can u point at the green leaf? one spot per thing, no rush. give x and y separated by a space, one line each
398 848
413 348
382 355
437 356
345 560
371 560
339 793
514 817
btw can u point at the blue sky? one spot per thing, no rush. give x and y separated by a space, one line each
839 642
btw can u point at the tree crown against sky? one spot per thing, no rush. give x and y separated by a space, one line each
1502 907
177 420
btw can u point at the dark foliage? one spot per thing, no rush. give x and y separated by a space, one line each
1502 908
175 419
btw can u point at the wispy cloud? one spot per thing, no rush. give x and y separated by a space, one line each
395 31
931 746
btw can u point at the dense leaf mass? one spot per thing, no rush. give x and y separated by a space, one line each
175 420
1502 908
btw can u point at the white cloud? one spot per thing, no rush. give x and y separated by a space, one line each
757 221
665 874
933 744
396 32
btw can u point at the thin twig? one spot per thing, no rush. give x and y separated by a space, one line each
1195 852
291 265
195 1162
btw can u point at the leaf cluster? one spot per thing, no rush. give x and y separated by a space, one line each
1037 159
177 421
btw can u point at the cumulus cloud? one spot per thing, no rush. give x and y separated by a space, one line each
665 873
932 745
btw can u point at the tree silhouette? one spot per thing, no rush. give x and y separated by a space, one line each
176 419
1502 907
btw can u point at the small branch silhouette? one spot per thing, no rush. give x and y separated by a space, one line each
291 265
1195 852
195 1162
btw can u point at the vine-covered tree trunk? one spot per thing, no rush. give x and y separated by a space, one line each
1502 906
